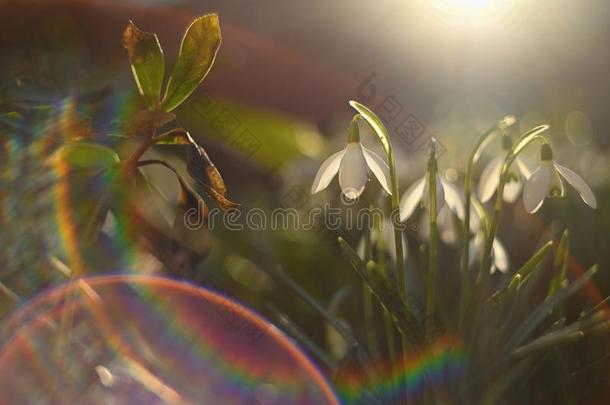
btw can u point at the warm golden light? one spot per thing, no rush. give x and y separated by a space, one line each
469 11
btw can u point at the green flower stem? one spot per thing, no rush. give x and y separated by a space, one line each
395 204
400 261
395 201
367 297
389 326
389 329
522 142
432 252
382 134
464 291
353 134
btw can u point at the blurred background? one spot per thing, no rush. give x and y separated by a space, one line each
275 106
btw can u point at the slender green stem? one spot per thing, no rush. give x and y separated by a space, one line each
387 317
400 261
432 252
521 143
383 136
367 297
389 325
464 291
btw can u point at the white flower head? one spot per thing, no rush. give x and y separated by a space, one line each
353 164
490 177
499 257
447 227
383 236
447 194
545 181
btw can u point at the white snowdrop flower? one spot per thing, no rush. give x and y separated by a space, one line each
447 194
490 177
499 257
448 230
383 235
353 164
545 181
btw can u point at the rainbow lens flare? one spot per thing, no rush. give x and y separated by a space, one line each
148 340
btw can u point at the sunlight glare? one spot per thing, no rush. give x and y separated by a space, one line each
470 12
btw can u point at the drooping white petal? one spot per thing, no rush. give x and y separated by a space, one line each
511 191
477 212
490 177
327 172
361 249
382 237
453 198
579 184
440 194
379 168
500 258
475 246
536 188
353 171
411 198
525 166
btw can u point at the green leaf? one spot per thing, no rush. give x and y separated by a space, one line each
194 242
201 168
520 277
535 260
543 310
293 330
387 295
197 52
146 122
375 123
560 263
147 62
85 155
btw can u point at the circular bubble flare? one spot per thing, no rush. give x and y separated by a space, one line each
149 340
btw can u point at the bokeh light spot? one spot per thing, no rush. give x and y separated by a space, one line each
578 128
